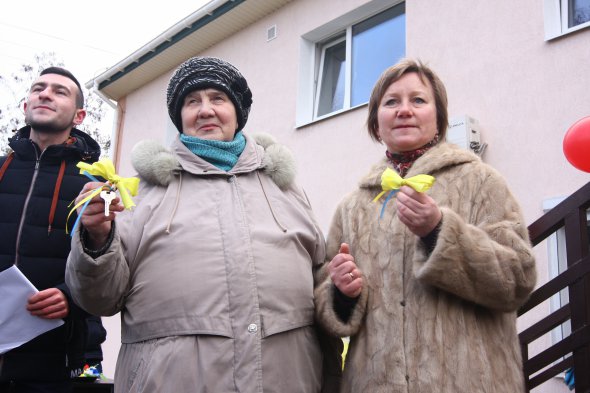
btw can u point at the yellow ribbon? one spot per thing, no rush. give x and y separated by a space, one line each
105 169
390 180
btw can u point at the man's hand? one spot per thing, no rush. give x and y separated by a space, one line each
50 304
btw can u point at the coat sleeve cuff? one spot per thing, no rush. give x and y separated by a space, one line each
343 305
328 317
101 251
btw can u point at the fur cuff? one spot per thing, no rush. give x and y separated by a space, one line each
327 317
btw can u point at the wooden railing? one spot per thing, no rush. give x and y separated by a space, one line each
573 350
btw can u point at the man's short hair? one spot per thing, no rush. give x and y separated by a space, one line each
63 72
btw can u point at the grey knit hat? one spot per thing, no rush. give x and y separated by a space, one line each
203 72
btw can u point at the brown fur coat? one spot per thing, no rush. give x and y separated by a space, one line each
443 322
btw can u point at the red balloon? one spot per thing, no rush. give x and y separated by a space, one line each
576 144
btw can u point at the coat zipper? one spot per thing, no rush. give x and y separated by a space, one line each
25 208
233 180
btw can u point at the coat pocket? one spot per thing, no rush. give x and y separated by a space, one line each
293 319
190 363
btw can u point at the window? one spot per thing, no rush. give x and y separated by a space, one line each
333 69
577 12
342 60
565 16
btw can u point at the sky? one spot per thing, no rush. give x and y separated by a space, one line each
89 37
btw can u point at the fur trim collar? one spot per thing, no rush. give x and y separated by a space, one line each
158 165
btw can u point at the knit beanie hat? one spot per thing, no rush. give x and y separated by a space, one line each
208 72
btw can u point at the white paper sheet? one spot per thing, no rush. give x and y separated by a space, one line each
17 325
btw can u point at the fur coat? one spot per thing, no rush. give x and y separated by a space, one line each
443 321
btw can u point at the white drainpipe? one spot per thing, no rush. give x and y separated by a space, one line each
100 94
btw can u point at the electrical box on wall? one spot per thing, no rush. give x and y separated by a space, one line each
464 131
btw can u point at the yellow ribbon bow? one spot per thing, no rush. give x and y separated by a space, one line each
390 180
105 169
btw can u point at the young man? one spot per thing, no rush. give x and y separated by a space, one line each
38 180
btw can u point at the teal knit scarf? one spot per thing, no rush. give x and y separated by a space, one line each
222 154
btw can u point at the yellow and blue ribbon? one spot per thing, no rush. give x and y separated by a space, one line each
104 168
391 182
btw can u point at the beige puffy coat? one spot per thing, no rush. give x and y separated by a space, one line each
443 322
213 275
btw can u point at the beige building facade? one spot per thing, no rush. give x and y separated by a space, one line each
516 75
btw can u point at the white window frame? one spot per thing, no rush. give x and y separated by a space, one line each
310 58
347 72
556 13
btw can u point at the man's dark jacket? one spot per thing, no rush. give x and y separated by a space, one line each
35 192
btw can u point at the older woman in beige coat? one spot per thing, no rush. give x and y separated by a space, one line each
213 270
426 286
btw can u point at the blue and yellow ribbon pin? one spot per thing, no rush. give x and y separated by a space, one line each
104 168
391 182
